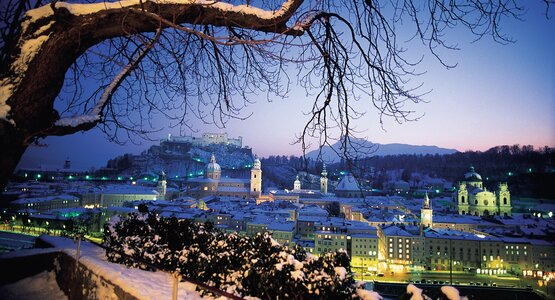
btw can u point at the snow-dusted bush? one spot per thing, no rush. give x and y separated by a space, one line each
240 265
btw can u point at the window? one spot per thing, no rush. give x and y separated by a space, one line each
505 200
462 199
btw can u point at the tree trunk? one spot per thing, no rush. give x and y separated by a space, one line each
13 148
62 37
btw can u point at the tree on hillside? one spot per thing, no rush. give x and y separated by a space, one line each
334 209
120 65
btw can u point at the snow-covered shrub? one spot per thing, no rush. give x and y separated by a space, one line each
245 266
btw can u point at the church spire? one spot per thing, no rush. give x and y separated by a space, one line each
426 201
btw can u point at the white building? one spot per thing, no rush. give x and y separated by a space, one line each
471 197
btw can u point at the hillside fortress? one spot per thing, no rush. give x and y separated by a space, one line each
472 198
206 139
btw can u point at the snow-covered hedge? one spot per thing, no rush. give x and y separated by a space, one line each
240 265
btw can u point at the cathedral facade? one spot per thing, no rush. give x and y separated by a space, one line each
213 184
472 198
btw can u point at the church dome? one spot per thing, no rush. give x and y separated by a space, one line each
213 166
471 175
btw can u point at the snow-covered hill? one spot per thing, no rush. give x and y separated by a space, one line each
361 148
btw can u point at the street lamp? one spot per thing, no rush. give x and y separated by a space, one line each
450 262
546 278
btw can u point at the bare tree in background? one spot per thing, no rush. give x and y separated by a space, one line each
198 59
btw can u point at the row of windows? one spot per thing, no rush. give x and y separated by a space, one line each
330 243
485 201
372 253
364 246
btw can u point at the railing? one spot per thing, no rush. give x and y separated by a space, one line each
175 275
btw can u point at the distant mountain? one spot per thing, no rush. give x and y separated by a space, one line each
362 148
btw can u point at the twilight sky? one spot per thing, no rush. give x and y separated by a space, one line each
497 95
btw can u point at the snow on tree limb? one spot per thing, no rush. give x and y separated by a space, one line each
216 13
95 115
28 50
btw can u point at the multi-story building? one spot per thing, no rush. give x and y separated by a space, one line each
397 247
282 232
44 204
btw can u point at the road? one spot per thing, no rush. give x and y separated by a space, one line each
467 279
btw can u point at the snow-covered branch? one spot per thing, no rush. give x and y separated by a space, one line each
36 28
95 115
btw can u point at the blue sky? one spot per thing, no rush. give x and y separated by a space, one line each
498 94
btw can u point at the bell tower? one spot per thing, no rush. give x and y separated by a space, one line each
324 180
161 188
256 178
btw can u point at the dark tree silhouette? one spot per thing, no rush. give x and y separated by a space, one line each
334 209
186 59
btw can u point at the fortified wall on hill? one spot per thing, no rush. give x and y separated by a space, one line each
187 155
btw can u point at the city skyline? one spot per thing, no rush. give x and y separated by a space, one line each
497 95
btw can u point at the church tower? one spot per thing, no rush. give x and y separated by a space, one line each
426 213
256 178
462 199
297 184
324 180
504 199
161 188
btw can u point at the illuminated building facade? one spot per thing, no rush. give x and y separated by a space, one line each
471 197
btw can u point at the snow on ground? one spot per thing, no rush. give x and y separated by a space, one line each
13 241
140 284
41 286
452 293
368 295
415 292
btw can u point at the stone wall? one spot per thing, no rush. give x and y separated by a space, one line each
77 283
